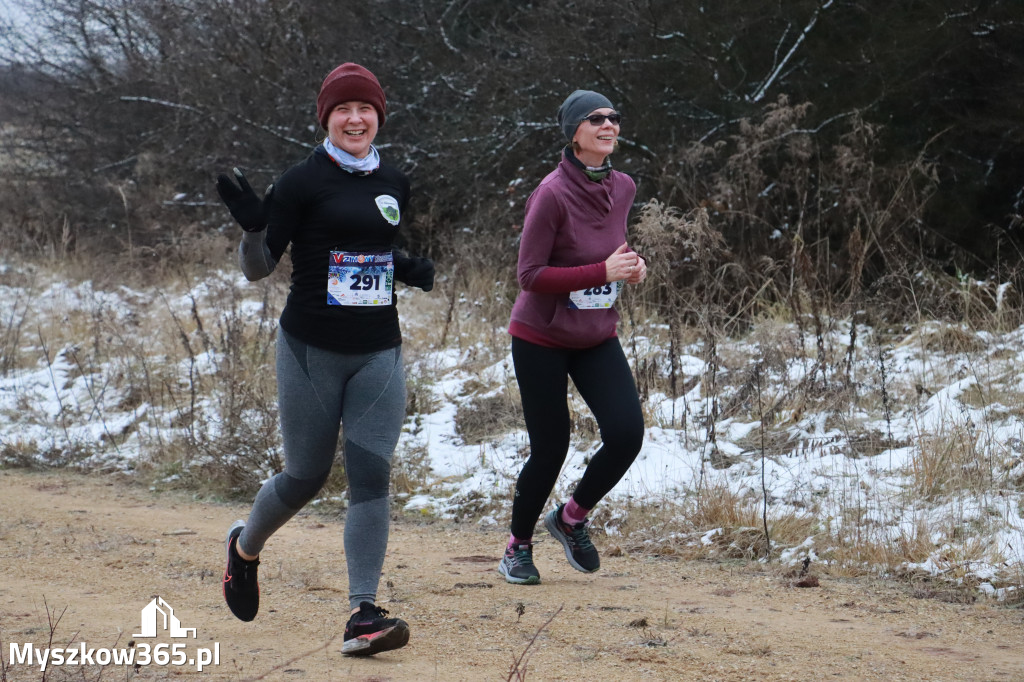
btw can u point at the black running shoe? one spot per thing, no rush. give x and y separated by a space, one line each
579 550
241 589
370 632
517 565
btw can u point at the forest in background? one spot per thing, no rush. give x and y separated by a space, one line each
843 144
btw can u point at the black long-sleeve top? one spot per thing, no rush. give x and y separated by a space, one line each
318 208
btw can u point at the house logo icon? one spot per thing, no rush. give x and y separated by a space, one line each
157 615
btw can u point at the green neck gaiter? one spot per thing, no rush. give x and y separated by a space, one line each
595 174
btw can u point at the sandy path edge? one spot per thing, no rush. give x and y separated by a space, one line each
103 549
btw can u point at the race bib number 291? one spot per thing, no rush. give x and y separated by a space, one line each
360 278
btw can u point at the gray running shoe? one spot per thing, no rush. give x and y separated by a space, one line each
517 565
579 550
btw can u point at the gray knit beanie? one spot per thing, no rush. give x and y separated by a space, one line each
576 106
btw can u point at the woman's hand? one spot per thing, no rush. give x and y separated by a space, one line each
246 208
420 273
639 271
621 265
416 272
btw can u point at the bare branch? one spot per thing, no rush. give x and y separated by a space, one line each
161 102
759 95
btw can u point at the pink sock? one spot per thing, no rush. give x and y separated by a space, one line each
513 541
572 513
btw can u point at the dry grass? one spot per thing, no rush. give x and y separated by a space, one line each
948 463
713 522
171 355
488 418
410 468
206 364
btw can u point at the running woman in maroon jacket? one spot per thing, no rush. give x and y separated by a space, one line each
573 263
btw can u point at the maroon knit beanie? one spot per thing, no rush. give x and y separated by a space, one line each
349 82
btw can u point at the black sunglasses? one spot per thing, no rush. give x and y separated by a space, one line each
598 119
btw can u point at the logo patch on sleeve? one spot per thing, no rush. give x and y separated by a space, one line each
388 206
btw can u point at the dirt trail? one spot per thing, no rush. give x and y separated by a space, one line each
104 549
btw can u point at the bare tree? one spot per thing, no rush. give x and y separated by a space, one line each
772 115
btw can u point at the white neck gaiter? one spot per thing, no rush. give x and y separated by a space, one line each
352 164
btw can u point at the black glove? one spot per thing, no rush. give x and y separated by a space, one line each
416 272
246 208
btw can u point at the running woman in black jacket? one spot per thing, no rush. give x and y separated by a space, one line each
339 348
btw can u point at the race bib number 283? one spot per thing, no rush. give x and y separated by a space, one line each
360 278
595 297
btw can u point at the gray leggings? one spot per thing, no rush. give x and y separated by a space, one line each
319 391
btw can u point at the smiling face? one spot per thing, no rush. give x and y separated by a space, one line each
352 127
593 143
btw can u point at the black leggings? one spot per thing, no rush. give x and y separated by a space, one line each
604 380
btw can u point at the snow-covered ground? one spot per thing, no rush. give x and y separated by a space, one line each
920 411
